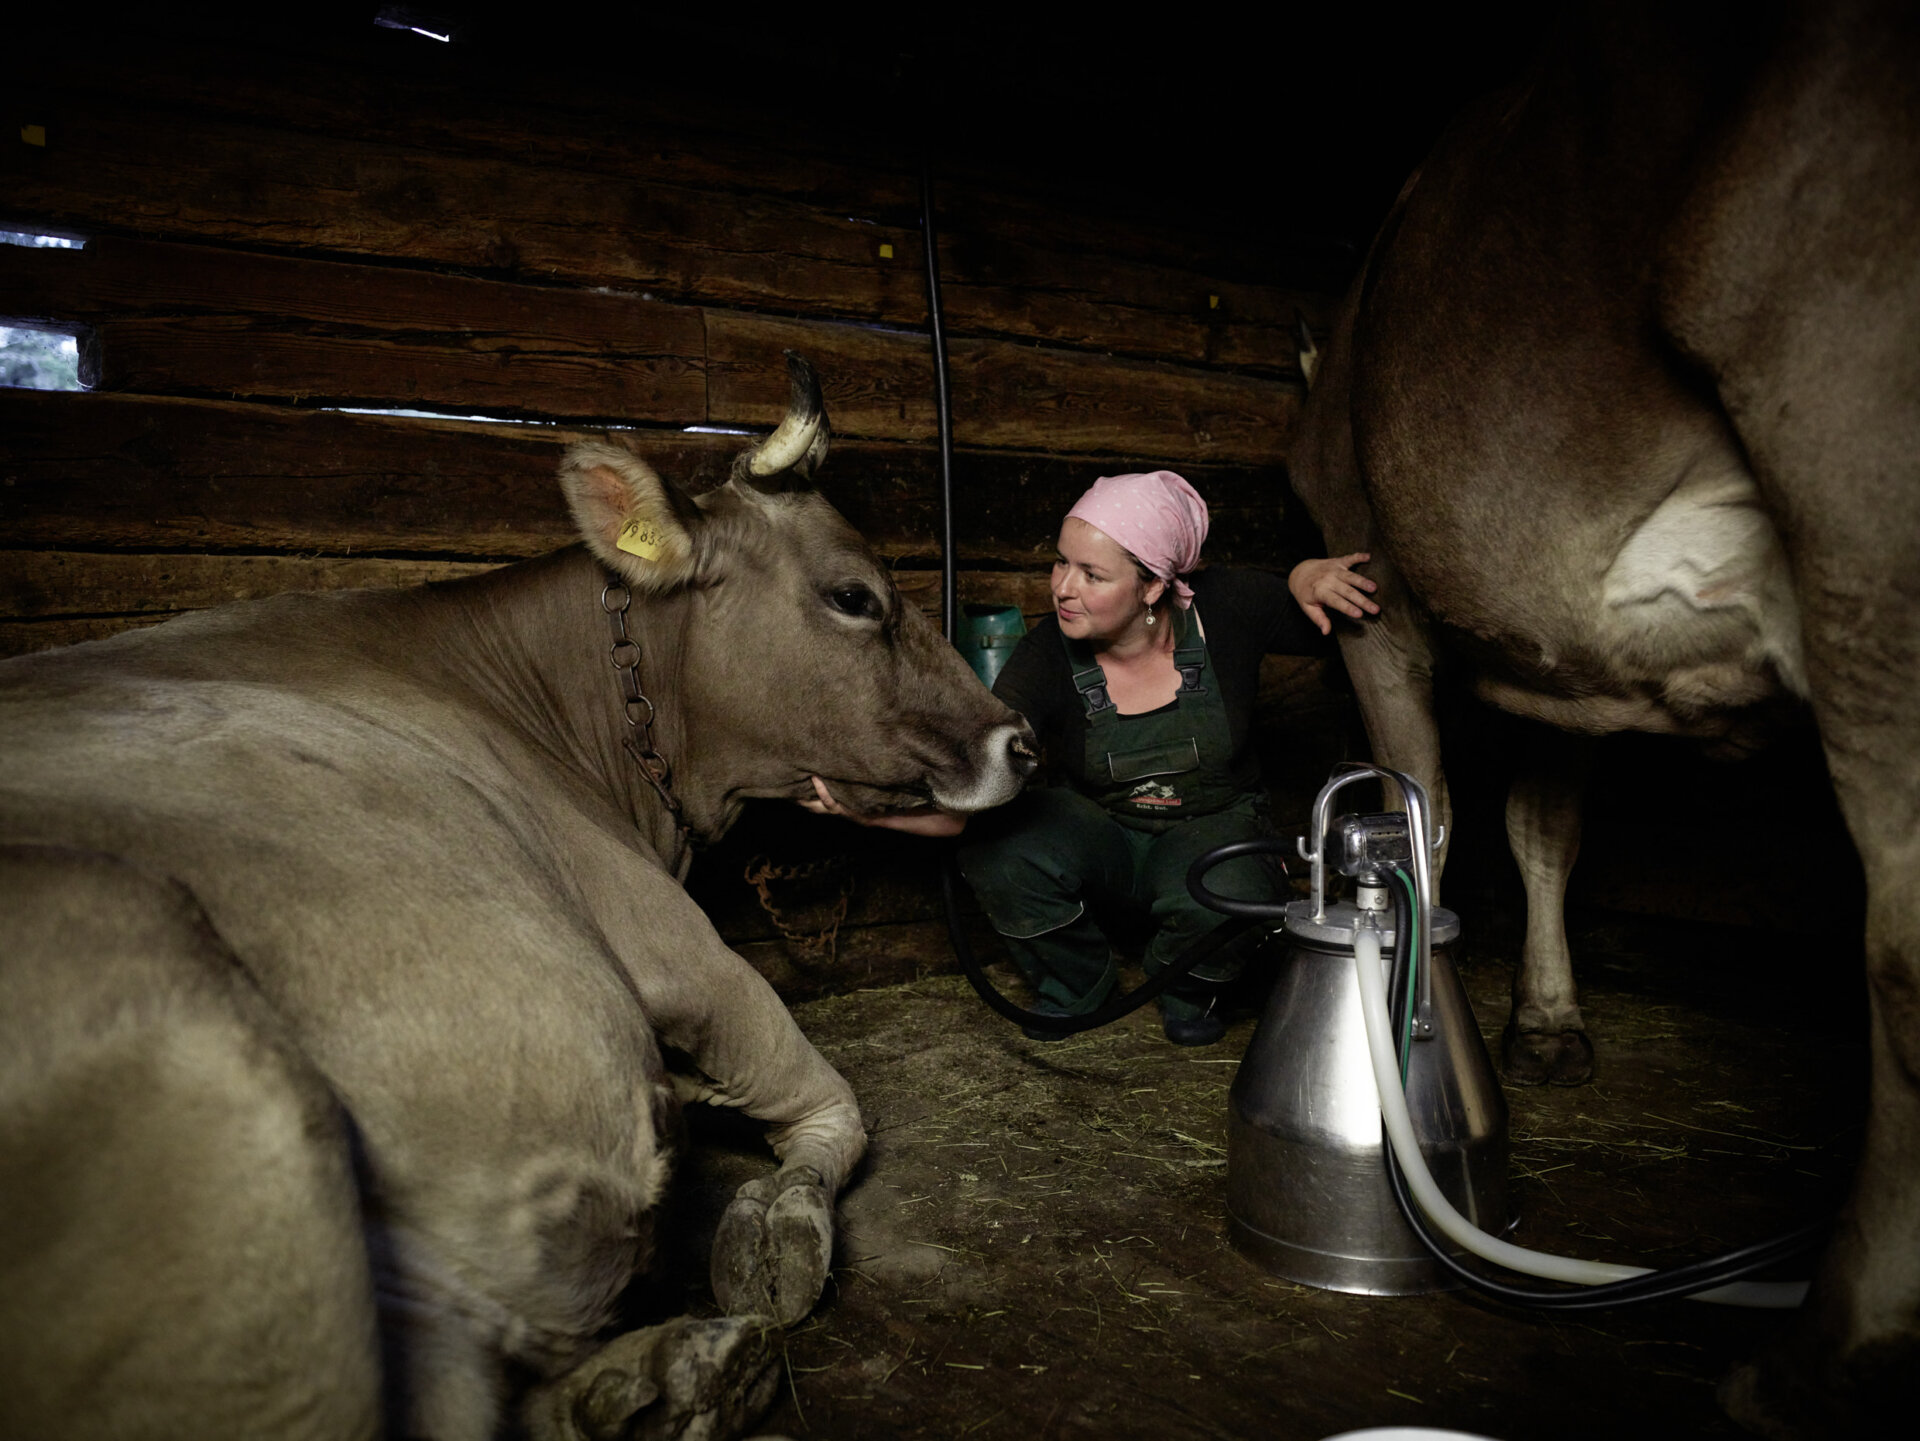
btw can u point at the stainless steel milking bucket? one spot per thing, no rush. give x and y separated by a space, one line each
1307 1189
1307 1192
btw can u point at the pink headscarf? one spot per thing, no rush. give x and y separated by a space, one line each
1157 516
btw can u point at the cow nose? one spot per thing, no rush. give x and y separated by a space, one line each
1021 754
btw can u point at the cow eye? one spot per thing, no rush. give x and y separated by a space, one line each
855 600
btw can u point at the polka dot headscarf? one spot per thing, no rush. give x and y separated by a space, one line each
1157 517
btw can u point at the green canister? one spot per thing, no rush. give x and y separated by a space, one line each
987 637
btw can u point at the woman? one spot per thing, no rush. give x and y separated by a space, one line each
1140 687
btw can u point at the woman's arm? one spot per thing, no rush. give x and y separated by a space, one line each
915 823
1330 582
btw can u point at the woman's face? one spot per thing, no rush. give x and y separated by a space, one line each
1097 592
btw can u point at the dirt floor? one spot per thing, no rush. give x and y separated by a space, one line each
1036 1245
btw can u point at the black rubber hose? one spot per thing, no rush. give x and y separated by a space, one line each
1220 936
1665 1285
1671 1284
1272 912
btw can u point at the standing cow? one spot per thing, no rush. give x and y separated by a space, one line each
1626 404
346 964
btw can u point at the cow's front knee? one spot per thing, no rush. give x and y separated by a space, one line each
774 1247
687 1379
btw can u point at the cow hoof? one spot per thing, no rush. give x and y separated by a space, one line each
1743 1396
774 1247
686 1379
1794 1391
1546 1058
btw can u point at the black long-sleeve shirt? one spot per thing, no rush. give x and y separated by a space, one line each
1247 614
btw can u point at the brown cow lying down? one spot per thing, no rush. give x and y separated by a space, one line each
1626 406
346 962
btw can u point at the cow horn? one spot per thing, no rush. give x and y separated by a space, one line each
799 442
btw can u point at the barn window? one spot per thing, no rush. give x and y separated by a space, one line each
38 240
409 413
40 357
35 355
432 24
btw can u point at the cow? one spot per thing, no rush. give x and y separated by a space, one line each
349 991
1625 403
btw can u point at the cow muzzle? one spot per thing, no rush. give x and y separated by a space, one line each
1002 761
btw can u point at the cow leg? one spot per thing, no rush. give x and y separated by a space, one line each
444 1370
1546 1038
1851 1358
1815 207
181 1249
686 1379
1390 661
774 1248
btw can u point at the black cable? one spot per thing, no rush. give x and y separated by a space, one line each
942 394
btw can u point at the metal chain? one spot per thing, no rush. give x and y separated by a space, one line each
761 872
614 600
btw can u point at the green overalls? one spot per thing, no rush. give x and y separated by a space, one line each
1159 794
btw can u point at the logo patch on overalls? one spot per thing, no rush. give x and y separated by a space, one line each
1152 793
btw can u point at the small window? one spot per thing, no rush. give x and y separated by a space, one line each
433 24
35 240
41 357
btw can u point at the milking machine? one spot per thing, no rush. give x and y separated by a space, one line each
1367 1138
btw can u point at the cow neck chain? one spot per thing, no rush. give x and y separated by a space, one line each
615 597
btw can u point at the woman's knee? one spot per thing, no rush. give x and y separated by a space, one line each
1032 866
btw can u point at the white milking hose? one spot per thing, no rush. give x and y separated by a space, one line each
1456 1227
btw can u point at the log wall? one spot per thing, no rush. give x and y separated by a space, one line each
281 235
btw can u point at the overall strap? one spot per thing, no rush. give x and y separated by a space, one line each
1191 662
1092 685
1088 679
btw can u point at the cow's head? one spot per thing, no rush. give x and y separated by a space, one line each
789 649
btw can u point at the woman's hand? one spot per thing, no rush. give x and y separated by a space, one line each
927 822
1330 582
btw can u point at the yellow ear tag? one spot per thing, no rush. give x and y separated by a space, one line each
642 538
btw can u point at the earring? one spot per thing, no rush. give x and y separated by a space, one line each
1149 615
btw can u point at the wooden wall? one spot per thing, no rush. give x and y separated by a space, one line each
276 231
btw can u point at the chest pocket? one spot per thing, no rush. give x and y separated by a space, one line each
1170 758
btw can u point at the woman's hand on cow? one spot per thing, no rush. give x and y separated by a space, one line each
927 822
1331 583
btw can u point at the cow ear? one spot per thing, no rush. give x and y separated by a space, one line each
634 523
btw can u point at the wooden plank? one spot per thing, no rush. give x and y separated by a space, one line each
880 383
85 471
23 637
242 185
1025 590
173 318
55 582
683 131
88 471
126 169
43 583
